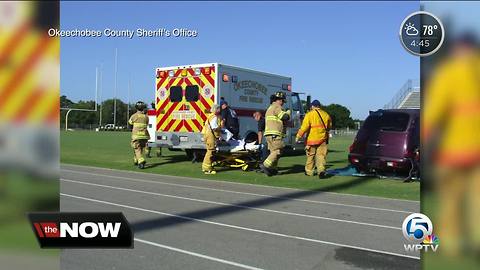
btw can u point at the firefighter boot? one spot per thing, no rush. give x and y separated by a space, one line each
266 170
141 163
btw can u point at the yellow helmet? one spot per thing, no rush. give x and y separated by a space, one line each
280 95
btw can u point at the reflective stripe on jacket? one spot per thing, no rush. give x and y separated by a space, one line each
273 121
313 126
139 121
207 128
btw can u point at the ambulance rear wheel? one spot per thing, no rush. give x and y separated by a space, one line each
189 153
195 155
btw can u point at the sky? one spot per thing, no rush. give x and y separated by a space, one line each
461 15
338 52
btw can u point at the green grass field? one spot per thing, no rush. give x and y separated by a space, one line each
20 194
112 150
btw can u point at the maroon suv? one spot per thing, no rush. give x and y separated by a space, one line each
388 142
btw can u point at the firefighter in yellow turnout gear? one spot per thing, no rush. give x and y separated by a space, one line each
316 125
140 135
211 133
275 132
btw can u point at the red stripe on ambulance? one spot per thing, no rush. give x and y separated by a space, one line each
187 126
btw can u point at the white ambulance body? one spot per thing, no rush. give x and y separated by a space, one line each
185 94
151 128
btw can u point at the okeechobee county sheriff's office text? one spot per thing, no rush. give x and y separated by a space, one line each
124 33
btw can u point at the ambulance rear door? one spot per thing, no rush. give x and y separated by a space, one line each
185 95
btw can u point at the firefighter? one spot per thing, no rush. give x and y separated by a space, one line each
140 135
315 125
450 127
275 132
211 133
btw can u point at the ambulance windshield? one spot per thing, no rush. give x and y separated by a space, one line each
296 103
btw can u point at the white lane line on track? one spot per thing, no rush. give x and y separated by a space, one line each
228 182
197 254
244 193
233 205
240 227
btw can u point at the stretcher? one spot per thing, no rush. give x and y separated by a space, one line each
237 154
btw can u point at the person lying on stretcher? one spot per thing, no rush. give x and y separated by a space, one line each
228 144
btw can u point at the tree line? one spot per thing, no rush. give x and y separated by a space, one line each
87 120
341 115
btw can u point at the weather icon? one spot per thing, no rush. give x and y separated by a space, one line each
410 29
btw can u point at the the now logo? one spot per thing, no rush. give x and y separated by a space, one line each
85 229
81 230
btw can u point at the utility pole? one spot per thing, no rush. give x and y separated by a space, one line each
96 88
100 95
115 92
128 102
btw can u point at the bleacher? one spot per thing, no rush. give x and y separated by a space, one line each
408 97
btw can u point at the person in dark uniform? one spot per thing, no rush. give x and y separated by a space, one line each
229 119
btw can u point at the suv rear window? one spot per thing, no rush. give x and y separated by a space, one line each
387 121
191 93
176 94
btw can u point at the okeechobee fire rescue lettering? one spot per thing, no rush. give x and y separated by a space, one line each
81 230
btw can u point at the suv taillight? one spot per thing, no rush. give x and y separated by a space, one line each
409 153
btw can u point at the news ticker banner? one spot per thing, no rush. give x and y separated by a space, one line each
81 229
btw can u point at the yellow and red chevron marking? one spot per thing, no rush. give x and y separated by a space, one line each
165 108
29 77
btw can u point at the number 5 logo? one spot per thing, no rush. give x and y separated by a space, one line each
416 227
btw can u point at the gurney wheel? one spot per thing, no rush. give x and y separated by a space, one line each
245 167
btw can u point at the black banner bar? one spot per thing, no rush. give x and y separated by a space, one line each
81 229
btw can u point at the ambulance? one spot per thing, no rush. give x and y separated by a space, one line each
185 94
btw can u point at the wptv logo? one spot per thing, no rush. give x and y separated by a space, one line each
81 230
418 229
